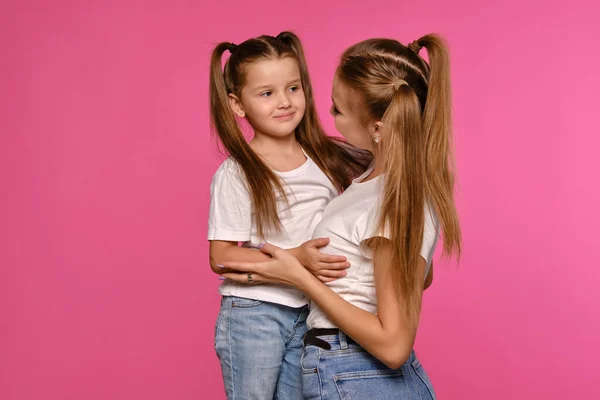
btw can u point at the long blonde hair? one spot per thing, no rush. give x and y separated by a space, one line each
412 100
337 159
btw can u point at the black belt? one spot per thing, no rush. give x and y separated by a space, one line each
312 337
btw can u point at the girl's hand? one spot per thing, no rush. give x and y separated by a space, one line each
282 268
324 266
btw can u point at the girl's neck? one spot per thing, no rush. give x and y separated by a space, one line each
281 154
264 144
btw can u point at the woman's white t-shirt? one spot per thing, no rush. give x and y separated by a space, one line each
231 218
348 221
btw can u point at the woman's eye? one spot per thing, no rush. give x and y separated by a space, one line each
334 111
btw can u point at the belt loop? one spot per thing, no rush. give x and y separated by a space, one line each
343 340
311 339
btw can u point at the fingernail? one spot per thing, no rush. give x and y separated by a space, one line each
261 245
221 278
220 266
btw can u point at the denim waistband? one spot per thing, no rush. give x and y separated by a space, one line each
333 338
324 338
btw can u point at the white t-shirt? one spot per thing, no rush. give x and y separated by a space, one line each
348 221
231 218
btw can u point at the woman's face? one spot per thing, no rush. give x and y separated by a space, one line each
346 115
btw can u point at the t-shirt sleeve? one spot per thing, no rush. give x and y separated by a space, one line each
367 228
430 235
230 217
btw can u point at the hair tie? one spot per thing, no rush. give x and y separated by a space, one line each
232 47
398 83
415 46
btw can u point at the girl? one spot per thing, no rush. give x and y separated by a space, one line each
274 188
388 100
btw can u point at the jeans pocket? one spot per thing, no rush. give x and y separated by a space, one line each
311 382
360 385
309 360
240 302
218 324
420 372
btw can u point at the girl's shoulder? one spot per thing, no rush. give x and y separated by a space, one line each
229 167
229 173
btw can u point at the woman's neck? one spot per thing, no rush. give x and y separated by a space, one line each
378 169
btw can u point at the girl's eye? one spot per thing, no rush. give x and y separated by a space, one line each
294 89
334 111
266 94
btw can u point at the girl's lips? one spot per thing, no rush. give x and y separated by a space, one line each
286 116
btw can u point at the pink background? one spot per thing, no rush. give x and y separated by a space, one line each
106 159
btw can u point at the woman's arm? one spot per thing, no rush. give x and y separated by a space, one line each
429 279
386 335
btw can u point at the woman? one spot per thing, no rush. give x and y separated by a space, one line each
388 100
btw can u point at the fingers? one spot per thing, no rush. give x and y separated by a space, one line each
335 274
268 248
326 258
319 242
241 266
243 277
325 279
339 265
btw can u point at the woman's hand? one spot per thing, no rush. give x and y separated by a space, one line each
282 268
326 267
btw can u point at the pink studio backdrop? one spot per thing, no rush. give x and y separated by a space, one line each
106 160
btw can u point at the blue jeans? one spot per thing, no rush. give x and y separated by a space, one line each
348 372
259 345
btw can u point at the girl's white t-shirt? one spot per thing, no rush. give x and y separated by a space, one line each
348 221
231 218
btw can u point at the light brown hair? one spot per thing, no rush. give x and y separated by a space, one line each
412 100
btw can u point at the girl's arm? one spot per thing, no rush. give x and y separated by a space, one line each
325 267
221 251
386 335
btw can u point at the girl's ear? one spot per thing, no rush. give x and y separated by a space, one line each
236 105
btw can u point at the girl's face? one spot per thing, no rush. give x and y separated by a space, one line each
272 97
347 119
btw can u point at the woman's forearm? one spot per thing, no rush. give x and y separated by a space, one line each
387 344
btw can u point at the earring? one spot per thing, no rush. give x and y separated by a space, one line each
376 138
